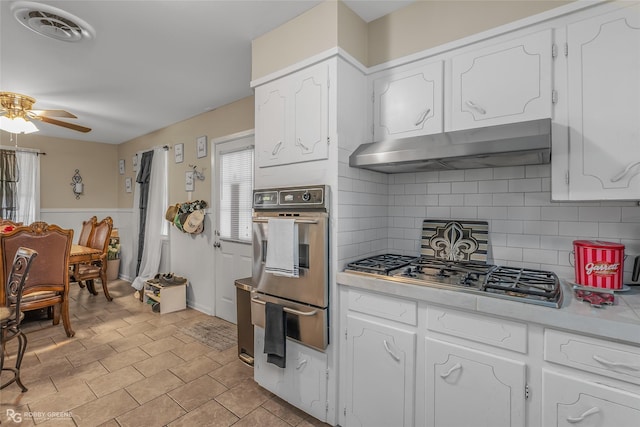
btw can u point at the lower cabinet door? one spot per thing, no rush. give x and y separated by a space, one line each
302 383
467 387
380 374
568 401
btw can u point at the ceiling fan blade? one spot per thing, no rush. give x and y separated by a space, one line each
51 113
63 124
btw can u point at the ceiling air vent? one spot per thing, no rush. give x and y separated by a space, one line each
52 22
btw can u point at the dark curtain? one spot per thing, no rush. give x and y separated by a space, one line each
8 180
144 174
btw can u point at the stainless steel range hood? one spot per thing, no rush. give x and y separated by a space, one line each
524 143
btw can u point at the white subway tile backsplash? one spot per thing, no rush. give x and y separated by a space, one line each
527 185
575 228
492 212
439 188
493 186
523 240
528 213
464 212
478 174
559 213
541 228
464 187
383 213
508 199
438 212
599 213
478 199
451 200
508 172
451 176
420 188
631 214
427 176
622 230
540 256
507 226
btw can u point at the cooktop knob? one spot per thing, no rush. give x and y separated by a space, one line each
306 196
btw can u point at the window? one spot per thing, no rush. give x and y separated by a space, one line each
236 189
20 185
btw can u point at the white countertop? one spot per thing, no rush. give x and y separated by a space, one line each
620 321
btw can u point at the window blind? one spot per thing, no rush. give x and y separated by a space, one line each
236 194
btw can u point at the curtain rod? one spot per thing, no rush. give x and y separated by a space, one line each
23 150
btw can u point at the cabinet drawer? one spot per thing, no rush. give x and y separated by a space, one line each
475 327
608 358
383 306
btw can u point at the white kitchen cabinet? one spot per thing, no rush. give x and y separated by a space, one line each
292 118
380 370
569 401
304 386
603 97
502 83
408 102
490 388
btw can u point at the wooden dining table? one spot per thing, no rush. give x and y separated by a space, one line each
81 255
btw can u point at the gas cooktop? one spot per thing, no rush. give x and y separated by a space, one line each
517 284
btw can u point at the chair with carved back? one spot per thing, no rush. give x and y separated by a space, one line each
10 314
86 232
97 269
48 283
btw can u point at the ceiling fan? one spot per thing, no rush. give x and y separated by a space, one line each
15 105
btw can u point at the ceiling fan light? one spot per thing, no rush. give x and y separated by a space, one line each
17 125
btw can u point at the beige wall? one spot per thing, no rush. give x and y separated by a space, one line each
229 119
97 163
306 35
414 28
426 24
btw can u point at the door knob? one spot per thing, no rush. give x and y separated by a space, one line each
216 244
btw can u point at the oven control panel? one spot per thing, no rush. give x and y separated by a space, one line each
298 197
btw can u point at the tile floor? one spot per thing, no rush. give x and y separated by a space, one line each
128 366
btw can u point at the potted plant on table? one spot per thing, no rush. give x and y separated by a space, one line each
113 256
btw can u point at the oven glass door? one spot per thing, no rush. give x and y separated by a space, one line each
311 287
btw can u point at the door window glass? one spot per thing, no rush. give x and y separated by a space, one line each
236 189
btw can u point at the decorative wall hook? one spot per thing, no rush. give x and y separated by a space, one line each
197 175
76 184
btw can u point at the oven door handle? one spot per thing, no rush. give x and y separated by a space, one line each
298 220
287 309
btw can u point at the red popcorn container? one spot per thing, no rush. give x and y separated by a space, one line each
599 264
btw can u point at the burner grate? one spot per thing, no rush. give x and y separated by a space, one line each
380 264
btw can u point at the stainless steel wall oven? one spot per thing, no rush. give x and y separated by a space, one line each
305 298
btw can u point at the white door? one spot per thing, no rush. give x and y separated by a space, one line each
232 195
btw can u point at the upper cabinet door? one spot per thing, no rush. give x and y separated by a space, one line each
504 83
311 114
408 103
271 124
292 118
604 106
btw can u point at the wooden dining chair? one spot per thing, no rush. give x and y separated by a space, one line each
96 269
11 316
86 232
48 283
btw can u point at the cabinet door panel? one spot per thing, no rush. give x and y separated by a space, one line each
311 115
380 369
408 103
271 124
568 402
502 84
267 374
308 379
491 388
604 106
